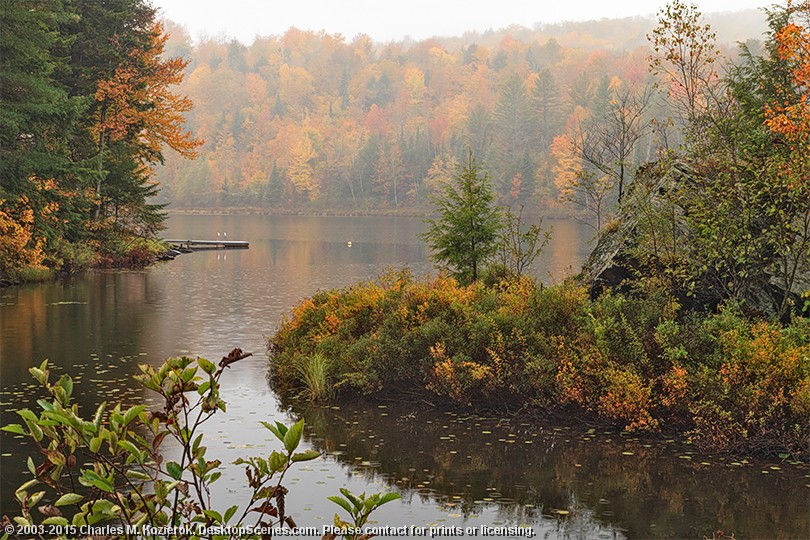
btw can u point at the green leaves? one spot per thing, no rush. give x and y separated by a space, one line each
465 235
93 479
207 366
343 503
14 428
306 455
293 436
124 468
174 469
279 429
361 506
68 498
229 513
132 413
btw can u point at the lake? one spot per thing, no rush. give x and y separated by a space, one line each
453 469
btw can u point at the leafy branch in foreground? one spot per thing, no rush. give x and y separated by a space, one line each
110 469
359 508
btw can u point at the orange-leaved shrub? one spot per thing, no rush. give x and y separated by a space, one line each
635 361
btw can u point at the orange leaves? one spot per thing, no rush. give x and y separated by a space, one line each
137 101
376 121
791 117
627 398
674 385
19 247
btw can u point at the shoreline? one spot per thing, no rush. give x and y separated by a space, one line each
421 400
553 213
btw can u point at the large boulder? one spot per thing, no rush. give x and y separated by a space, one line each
614 263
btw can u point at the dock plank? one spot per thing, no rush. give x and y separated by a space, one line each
208 244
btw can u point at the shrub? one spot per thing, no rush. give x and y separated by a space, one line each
458 377
110 468
627 399
633 360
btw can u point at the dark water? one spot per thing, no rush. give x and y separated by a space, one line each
453 470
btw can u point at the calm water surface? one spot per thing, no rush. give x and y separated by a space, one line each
565 481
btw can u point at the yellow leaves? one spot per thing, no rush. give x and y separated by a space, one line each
457 379
300 170
19 246
567 164
627 398
440 56
441 172
415 83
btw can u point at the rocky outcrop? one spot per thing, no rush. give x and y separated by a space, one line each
614 263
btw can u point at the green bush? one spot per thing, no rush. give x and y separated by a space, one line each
635 361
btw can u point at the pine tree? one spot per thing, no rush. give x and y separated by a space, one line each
466 232
35 112
513 130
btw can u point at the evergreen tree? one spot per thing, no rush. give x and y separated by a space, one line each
35 111
274 189
466 232
512 122
547 107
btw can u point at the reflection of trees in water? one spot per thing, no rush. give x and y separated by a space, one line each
67 321
467 464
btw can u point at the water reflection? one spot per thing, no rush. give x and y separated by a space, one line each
586 481
101 326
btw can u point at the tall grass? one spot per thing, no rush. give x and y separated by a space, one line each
314 372
33 274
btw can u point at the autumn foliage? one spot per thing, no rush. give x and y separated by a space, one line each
138 99
638 363
790 116
349 123
19 248
88 107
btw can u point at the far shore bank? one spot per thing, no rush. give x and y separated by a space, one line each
551 213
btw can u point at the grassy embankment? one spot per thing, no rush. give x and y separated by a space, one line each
724 381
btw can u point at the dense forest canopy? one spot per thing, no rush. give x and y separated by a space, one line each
560 116
310 119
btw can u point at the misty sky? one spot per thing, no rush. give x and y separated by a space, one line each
385 20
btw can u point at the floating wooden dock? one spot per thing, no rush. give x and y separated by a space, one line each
197 245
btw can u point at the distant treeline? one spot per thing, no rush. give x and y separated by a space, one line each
317 120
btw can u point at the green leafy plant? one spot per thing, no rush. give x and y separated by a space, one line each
110 468
314 372
359 508
464 236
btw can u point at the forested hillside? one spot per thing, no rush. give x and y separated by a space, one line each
313 120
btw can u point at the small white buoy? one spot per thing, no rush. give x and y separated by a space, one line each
218 234
349 243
